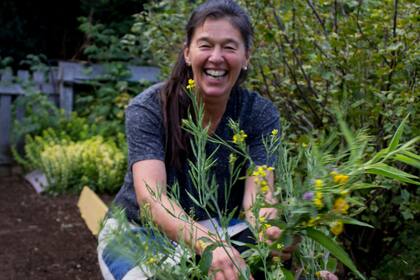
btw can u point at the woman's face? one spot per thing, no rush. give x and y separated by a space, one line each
216 54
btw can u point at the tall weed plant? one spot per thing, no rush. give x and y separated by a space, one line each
316 193
313 58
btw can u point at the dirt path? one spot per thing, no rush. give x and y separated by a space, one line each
43 237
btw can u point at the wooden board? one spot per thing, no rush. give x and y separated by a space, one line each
92 209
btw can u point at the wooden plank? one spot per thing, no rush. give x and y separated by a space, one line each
38 77
23 75
144 74
66 98
17 89
5 124
6 75
92 209
72 72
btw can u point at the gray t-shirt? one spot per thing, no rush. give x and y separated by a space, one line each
145 133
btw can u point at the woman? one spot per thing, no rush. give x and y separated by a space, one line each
216 56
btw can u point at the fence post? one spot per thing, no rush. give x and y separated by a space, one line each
5 118
66 89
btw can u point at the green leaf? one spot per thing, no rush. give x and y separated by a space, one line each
351 221
391 172
206 259
407 160
334 249
288 274
396 138
332 264
412 155
362 186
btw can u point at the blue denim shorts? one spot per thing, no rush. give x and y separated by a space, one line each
121 265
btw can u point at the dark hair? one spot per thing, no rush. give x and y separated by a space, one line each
175 102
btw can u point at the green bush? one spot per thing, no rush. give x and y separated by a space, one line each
70 165
314 58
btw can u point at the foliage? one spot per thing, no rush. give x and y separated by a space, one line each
401 262
309 57
40 114
70 165
315 191
104 102
313 58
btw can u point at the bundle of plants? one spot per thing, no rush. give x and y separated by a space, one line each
317 192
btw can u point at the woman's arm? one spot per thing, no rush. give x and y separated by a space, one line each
149 179
150 186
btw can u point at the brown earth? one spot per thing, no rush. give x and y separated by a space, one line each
43 237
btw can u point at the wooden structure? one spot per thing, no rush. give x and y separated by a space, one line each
92 209
58 83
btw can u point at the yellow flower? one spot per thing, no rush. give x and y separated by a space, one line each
191 84
262 170
340 178
337 227
318 200
262 219
275 132
341 205
264 186
202 245
151 260
239 137
313 221
319 183
333 173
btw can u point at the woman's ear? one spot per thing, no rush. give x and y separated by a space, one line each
187 55
248 58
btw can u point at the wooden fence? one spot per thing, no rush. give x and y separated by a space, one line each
58 83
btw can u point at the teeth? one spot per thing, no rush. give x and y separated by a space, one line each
215 73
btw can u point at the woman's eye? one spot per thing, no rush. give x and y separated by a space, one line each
204 46
231 48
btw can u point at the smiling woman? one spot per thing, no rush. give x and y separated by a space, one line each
212 65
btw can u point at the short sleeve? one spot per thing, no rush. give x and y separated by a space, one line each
263 123
144 129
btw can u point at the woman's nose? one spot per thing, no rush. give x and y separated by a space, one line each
216 55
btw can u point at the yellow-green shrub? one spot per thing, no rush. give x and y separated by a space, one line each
69 165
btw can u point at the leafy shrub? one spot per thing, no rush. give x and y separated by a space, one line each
313 58
41 114
70 165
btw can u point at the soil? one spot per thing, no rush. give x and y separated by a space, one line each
43 237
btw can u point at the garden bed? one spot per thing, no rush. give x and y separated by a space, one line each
43 237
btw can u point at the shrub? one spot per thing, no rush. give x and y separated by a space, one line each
70 165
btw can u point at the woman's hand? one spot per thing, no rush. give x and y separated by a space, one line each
226 263
272 234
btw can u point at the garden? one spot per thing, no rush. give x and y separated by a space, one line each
342 74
